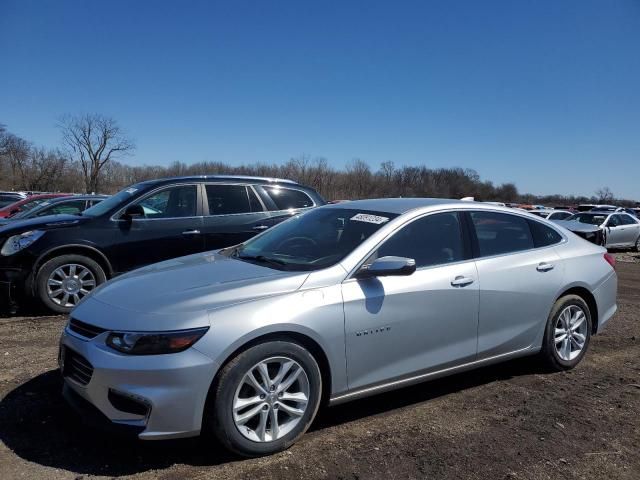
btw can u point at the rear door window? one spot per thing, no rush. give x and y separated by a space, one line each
229 199
626 220
500 233
288 198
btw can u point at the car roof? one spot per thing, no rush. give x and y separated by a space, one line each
231 178
77 197
403 205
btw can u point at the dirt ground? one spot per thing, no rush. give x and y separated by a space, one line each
510 421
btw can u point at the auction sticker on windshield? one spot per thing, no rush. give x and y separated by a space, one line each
365 217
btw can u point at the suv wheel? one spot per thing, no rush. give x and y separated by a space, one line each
265 398
567 334
62 282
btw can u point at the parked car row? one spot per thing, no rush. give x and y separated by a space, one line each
337 303
60 259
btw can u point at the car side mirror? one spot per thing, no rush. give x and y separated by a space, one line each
132 212
388 267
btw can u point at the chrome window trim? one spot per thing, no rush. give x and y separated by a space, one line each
351 274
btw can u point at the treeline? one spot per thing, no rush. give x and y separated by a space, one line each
26 167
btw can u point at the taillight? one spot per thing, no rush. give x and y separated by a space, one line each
611 260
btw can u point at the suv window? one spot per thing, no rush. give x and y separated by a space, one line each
499 233
286 198
543 235
432 240
228 199
171 202
559 216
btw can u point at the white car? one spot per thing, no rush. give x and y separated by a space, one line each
620 229
551 214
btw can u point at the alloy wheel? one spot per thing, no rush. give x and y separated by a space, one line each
68 284
570 334
271 399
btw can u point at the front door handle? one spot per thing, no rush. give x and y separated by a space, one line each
191 232
461 281
260 227
545 267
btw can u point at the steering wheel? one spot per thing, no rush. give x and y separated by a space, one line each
296 242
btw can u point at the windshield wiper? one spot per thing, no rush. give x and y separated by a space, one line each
262 259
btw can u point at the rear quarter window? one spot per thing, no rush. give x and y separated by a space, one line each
543 236
500 233
287 198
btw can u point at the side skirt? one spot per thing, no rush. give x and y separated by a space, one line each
405 382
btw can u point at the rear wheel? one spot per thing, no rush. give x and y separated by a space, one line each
62 282
265 398
567 334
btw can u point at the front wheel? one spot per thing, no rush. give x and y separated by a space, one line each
567 334
265 398
62 282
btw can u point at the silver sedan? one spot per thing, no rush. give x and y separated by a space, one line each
338 303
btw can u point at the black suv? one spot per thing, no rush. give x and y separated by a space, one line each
60 259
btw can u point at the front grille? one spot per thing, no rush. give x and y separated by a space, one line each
84 329
76 367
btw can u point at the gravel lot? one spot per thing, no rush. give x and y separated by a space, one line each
508 421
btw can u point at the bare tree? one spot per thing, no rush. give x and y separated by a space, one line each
605 195
94 140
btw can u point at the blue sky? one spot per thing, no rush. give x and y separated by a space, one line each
542 93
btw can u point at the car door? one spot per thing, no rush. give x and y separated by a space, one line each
614 231
518 280
233 213
629 230
404 326
171 227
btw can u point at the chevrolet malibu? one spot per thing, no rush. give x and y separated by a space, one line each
338 303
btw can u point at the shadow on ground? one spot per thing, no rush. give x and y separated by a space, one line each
38 426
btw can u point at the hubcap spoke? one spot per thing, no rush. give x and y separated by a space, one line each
248 415
298 412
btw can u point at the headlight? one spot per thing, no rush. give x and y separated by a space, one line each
19 242
154 343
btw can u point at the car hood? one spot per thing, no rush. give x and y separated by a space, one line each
575 226
48 222
186 285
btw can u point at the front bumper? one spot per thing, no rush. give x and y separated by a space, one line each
12 286
172 387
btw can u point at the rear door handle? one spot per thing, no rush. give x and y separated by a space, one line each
545 267
260 227
461 281
191 232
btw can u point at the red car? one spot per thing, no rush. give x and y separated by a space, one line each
28 203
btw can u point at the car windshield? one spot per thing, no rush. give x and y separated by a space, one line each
112 202
33 211
314 240
590 218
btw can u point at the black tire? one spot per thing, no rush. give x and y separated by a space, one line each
50 266
219 411
549 354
